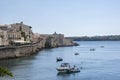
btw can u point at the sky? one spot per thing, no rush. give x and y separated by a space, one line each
69 17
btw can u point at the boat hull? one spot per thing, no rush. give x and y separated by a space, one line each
68 70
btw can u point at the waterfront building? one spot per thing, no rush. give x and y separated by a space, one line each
13 35
67 42
26 31
8 35
3 34
36 37
3 37
53 39
59 38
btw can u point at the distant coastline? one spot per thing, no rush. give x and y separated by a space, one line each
96 38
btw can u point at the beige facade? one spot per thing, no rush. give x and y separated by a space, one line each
36 37
67 42
14 35
59 38
7 35
27 33
3 37
53 39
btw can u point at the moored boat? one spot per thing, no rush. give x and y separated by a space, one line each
66 68
92 49
59 59
76 53
102 46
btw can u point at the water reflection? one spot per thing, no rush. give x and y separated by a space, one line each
11 64
66 76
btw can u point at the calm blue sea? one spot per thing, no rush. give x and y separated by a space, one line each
101 64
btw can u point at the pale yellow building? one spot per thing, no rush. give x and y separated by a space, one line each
13 35
3 37
26 31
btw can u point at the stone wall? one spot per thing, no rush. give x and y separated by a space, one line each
19 51
13 52
25 50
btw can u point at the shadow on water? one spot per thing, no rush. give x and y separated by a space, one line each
62 74
11 63
70 76
66 74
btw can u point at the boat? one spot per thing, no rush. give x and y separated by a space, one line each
59 59
66 68
102 46
92 49
76 53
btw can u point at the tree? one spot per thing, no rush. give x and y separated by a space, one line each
2 39
48 42
24 35
4 72
48 45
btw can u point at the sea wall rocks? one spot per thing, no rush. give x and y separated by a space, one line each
20 51
13 52
25 50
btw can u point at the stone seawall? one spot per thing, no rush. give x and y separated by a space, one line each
24 50
14 52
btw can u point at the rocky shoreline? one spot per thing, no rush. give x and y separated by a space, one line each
11 52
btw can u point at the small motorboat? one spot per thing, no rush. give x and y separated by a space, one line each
66 68
59 59
102 46
92 49
76 53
